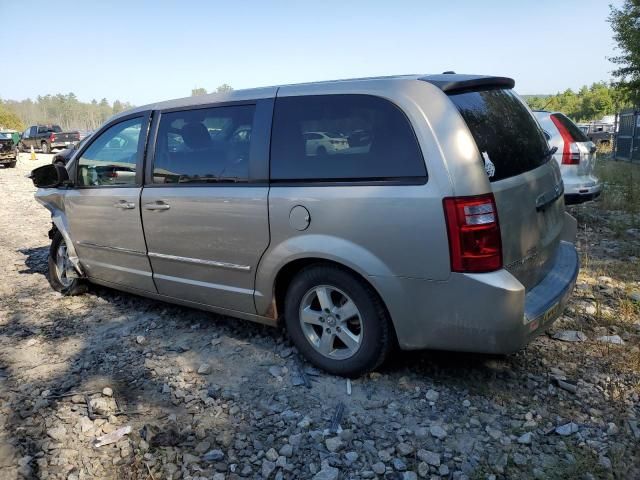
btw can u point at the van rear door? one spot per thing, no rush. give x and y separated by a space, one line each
527 187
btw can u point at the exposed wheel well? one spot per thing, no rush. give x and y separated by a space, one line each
286 274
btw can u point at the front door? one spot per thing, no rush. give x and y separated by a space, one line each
204 214
103 208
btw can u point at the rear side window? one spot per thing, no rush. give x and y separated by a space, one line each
576 133
343 138
505 132
209 145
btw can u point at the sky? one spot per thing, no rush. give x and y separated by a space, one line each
146 51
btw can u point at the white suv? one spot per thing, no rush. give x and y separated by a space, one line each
576 155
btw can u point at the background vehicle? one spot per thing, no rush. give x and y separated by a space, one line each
350 250
576 155
8 150
63 156
322 143
47 137
599 133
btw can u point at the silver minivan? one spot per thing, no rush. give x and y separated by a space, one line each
431 218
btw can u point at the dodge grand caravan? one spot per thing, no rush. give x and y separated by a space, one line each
439 223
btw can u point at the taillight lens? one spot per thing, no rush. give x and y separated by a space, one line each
52 137
570 151
474 234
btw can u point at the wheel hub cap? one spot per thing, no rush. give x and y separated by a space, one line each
331 322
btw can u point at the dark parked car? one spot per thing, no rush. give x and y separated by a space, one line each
8 150
47 137
63 156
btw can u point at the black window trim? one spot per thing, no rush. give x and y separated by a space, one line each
142 142
260 144
355 182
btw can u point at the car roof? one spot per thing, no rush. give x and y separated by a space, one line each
447 82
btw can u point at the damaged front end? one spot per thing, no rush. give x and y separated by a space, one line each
53 200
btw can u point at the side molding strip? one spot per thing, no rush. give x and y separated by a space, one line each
198 261
112 249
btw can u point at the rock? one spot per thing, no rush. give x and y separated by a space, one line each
57 433
213 456
466 403
432 395
635 295
404 449
327 473
519 459
604 462
188 459
399 464
379 468
423 469
525 438
494 433
275 371
140 340
204 369
570 336
613 339
443 471
569 387
351 456
267 468
567 429
431 458
286 450
409 476
103 405
108 392
271 455
612 429
85 424
202 447
438 432
334 444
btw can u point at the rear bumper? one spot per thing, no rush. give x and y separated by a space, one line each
8 157
485 313
581 189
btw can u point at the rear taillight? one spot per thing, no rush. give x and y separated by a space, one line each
474 234
52 137
570 151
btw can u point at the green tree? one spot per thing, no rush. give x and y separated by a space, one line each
198 91
224 88
10 120
625 22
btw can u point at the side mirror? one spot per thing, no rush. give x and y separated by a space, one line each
49 176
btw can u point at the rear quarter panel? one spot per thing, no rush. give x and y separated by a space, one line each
379 230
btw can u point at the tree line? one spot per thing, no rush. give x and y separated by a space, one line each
64 110
588 103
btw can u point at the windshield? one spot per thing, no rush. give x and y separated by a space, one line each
505 132
5 136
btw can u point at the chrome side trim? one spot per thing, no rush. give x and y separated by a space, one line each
198 261
111 249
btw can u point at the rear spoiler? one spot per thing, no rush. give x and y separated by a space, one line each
454 83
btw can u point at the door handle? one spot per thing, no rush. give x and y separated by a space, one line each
123 204
159 205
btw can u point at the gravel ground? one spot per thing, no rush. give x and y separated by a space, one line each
204 396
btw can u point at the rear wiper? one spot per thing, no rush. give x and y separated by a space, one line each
550 152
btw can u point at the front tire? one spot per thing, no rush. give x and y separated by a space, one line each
45 147
337 321
59 269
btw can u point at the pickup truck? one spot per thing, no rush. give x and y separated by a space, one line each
47 137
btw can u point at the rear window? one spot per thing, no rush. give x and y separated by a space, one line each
505 132
576 133
343 138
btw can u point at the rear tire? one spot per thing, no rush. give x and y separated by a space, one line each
355 313
12 164
57 274
45 147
